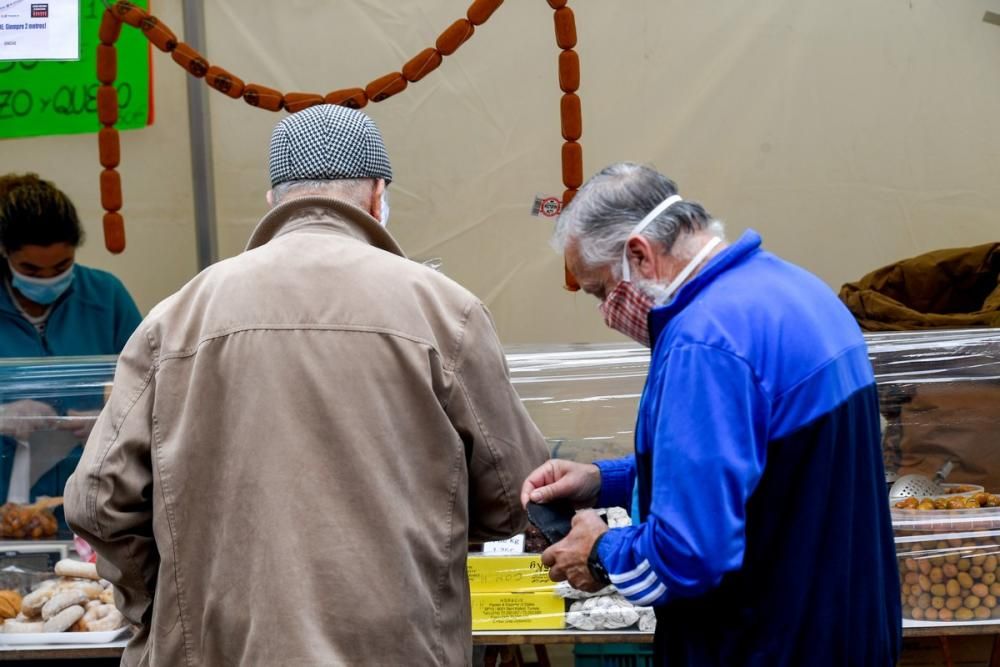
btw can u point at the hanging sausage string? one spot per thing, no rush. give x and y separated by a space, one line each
163 38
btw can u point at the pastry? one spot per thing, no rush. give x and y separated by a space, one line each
103 618
61 601
64 620
20 627
10 604
75 568
88 587
31 605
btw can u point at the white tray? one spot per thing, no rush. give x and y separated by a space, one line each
38 638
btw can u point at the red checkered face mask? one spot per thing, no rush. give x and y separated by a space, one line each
626 310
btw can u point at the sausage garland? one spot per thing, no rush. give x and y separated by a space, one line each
257 95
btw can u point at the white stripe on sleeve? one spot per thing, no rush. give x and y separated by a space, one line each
646 600
631 574
641 586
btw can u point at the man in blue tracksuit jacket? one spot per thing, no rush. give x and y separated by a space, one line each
765 536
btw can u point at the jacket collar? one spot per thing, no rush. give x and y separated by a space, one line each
661 316
325 213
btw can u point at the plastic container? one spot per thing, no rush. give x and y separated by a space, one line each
47 408
949 565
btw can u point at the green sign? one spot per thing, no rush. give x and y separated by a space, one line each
39 98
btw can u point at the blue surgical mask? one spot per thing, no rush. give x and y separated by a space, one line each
42 290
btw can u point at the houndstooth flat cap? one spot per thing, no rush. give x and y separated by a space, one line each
327 142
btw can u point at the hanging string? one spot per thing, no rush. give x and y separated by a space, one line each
378 90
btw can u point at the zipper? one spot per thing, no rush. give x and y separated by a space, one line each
21 323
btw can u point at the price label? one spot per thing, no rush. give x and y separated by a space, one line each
514 545
518 611
505 574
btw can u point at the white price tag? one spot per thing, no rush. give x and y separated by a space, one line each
514 545
39 30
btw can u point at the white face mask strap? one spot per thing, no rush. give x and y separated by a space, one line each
663 206
384 217
692 265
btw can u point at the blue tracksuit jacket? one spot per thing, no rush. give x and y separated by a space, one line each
765 538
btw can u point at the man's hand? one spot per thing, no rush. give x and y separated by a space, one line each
19 419
567 559
580 483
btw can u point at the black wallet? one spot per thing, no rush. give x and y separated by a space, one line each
554 520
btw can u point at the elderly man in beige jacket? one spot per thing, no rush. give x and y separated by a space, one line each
304 439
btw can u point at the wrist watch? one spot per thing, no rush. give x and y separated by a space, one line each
596 567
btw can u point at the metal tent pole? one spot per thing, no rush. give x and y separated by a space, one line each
200 128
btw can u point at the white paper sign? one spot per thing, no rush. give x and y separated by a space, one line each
39 30
514 545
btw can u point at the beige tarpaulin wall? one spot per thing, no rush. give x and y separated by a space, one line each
850 134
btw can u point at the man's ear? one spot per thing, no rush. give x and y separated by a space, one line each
641 257
376 204
270 198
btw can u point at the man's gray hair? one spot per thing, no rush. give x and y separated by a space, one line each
608 207
356 191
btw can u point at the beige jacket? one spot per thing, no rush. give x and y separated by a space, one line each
299 445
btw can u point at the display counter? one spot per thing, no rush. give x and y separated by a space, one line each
938 407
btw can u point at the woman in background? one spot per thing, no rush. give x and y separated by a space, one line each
49 306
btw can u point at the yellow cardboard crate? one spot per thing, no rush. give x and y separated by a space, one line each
518 611
509 574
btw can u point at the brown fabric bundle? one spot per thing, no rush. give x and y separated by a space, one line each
263 97
385 87
190 60
225 82
111 190
569 71
954 288
422 64
454 36
129 13
572 165
107 105
109 146
572 117
114 232
480 11
298 101
352 98
107 63
565 28
111 28
931 423
158 34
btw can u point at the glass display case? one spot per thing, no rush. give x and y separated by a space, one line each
940 401
47 408
583 397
